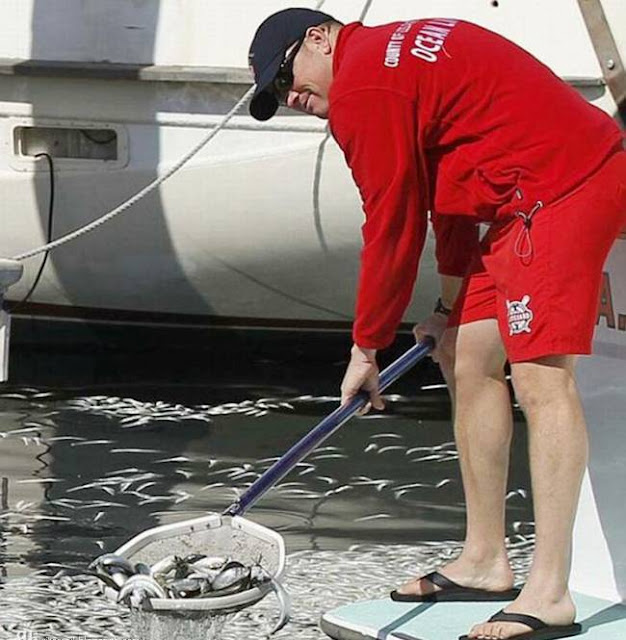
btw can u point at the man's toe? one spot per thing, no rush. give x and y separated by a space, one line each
494 631
486 631
417 587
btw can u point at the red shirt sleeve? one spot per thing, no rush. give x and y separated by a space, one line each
376 129
456 243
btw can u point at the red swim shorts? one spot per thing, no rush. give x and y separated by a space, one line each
541 279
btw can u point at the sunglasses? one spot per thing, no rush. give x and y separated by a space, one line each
283 82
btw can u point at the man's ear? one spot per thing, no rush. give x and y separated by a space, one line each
319 37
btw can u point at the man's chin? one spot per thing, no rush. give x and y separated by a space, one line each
320 112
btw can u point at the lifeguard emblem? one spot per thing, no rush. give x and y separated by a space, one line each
519 315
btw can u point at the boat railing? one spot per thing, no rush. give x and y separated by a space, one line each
166 73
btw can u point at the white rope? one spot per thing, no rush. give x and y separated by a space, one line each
161 179
364 11
146 190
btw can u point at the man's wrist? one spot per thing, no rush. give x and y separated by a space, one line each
450 289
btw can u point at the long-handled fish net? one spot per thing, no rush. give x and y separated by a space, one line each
254 556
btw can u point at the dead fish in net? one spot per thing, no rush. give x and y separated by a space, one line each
176 568
208 562
206 576
189 587
161 569
139 588
142 568
194 557
233 578
113 570
191 576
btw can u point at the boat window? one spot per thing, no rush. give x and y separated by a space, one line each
72 143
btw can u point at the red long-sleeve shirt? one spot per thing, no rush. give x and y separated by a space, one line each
446 116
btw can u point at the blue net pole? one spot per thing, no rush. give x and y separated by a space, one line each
325 429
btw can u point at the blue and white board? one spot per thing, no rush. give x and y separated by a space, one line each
388 620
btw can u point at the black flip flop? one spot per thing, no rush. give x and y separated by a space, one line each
540 630
450 591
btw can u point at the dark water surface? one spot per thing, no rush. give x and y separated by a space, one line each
98 444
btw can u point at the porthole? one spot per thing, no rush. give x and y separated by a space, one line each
68 143
72 145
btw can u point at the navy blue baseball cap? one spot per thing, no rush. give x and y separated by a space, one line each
267 52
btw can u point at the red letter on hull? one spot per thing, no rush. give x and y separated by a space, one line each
605 308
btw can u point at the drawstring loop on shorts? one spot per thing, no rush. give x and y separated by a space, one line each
524 244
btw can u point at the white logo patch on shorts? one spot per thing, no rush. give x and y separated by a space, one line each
519 315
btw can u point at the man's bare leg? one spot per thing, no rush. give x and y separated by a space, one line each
546 390
483 431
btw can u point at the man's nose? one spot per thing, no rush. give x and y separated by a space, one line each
292 100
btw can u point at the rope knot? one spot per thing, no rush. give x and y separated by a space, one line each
524 244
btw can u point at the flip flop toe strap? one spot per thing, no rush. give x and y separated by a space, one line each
530 621
439 580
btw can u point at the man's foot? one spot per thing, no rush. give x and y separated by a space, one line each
449 591
557 614
490 577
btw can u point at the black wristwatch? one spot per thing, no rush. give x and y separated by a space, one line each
440 308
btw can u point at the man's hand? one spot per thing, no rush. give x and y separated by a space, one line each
434 326
362 375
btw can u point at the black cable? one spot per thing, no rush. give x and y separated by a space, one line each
48 157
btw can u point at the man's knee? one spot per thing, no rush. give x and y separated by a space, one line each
544 381
479 354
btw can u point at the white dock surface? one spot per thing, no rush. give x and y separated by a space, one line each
388 620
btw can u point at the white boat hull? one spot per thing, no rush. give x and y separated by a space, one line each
263 224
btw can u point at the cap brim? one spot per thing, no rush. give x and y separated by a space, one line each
263 106
264 103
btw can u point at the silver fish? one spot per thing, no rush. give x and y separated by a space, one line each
194 557
189 587
176 459
284 600
391 447
113 570
207 575
87 443
395 436
142 569
210 562
233 578
164 566
374 517
139 587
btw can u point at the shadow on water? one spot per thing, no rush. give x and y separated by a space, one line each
102 442
405 453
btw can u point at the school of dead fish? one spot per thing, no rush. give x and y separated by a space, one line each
79 590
